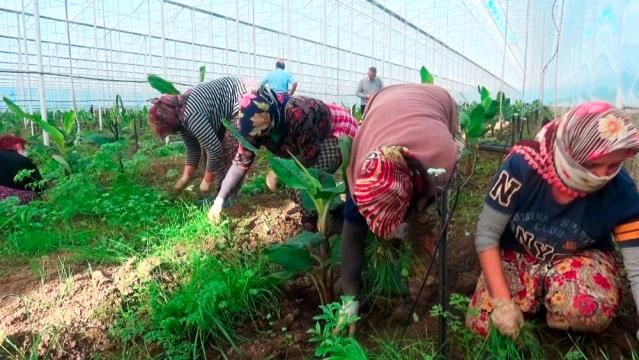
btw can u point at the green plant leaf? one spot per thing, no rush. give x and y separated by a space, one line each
291 258
345 144
464 118
476 126
161 85
279 277
304 239
56 135
336 249
236 134
16 109
483 93
202 73
62 162
68 122
491 109
307 202
292 175
426 76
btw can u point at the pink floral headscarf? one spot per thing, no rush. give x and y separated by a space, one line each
586 133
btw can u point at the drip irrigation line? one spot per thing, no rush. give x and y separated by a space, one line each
442 231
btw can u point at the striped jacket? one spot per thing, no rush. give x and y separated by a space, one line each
202 128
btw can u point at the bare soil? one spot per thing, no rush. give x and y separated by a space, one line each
74 306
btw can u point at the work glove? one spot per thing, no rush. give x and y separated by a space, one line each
215 212
187 174
349 310
205 185
271 181
507 318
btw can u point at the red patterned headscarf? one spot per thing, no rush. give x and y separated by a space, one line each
166 112
384 188
587 132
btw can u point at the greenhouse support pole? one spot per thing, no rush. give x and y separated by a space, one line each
503 59
162 38
339 52
75 107
289 50
43 106
226 43
543 69
523 88
20 69
324 27
253 39
97 63
193 57
147 46
561 22
237 37
26 52
167 139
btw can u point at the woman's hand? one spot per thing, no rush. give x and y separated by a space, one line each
215 212
205 185
271 181
506 317
187 174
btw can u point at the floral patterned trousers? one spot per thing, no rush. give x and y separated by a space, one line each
580 292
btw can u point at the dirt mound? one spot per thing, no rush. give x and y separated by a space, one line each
66 316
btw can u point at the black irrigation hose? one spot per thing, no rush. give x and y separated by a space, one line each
432 260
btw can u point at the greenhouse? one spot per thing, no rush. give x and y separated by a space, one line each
331 179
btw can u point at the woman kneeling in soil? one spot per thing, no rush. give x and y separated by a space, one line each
544 234
408 129
197 115
300 126
13 160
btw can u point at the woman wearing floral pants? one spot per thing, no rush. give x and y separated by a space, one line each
546 231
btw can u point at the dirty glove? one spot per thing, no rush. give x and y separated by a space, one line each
187 174
205 185
215 212
348 311
507 318
271 181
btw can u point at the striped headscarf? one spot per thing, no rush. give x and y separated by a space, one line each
586 133
385 187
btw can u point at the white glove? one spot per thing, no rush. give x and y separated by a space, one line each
205 186
181 182
215 211
271 181
351 309
507 318
400 232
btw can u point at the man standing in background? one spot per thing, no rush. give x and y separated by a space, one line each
368 86
279 79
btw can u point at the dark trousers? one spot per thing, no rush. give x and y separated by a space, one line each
354 232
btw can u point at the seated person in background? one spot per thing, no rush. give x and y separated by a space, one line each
13 160
555 212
